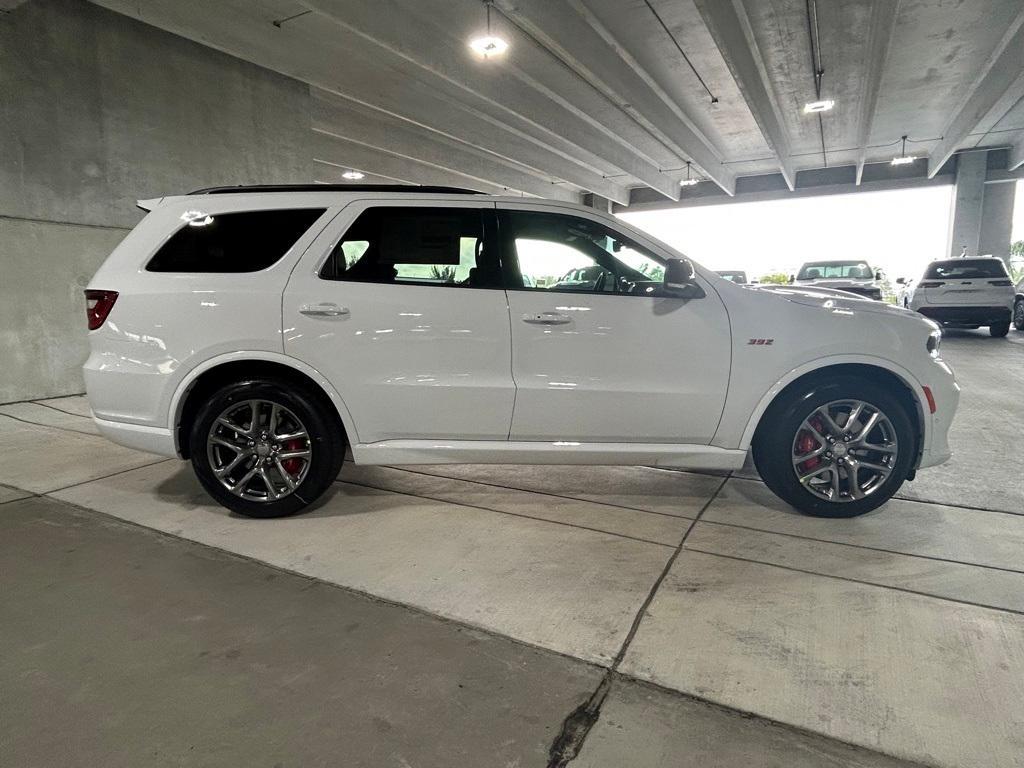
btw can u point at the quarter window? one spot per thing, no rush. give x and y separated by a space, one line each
566 253
417 246
233 242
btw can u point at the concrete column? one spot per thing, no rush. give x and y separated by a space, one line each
968 200
997 220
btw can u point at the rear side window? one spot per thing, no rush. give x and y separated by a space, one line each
415 245
965 269
233 242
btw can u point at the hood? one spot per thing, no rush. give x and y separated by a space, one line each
832 299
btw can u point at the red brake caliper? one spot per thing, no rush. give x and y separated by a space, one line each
806 442
292 466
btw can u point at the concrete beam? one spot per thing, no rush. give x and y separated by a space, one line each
880 28
730 26
999 86
505 112
572 33
1016 159
437 114
337 152
523 84
373 128
835 180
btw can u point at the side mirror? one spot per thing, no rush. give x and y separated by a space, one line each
679 280
878 275
901 281
792 279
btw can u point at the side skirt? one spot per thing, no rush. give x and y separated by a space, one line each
560 452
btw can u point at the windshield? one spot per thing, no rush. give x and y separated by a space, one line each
832 270
965 269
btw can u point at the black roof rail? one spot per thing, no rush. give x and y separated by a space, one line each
336 188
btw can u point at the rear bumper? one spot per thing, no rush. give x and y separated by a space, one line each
966 315
137 436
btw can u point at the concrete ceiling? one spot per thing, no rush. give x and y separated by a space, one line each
606 96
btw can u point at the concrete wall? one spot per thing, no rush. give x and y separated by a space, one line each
96 111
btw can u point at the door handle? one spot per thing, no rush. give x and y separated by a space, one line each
323 310
547 318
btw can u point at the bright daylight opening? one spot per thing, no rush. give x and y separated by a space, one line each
897 231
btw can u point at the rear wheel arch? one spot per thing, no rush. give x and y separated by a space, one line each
873 373
234 371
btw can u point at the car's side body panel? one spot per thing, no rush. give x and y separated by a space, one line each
165 325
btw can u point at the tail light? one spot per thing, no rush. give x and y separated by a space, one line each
1000 282
97 306
930 285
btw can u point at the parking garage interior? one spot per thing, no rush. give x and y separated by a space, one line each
489 614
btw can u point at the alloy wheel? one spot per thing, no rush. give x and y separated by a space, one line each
844 450
259 450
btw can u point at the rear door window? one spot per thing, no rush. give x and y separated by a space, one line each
233 242
415 246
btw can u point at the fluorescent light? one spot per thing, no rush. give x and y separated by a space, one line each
488 45
818 106
688 182
903 160
352 175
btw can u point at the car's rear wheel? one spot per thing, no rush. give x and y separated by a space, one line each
998 330
836 448
265 449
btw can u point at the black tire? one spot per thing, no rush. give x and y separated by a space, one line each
773 443
325 440
998 330
1018 315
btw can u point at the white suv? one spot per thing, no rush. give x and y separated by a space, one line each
261 332
965 293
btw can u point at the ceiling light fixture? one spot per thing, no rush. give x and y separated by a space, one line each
688 181
904 158
488 45
818 106
352 175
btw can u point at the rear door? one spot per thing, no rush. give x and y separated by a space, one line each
400 305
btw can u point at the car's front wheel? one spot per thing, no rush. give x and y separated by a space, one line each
836 448
998 330
1018 315
264 448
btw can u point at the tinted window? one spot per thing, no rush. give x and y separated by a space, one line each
966 269
836 269
420 246
566 253
233 242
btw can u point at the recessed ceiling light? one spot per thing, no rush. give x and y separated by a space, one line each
352 175
818 106
489 45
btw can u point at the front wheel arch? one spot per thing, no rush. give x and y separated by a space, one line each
873 373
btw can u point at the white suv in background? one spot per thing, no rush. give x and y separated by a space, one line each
965 293
261 332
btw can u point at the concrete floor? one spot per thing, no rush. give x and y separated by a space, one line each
516 616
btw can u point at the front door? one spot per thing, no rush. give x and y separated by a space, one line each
599 354
401 308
